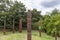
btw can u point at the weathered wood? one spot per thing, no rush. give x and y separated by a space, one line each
20 25
28 25
5 26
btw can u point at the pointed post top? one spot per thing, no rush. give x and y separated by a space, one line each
28 13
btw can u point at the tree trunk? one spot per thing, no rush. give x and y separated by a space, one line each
4 26
55 35
13 25
20 25
40 32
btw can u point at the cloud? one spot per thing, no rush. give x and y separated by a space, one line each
50 4
41 5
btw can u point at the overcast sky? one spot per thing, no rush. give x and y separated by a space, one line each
42 5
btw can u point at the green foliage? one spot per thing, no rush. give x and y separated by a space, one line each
17 10
35 26
52 23
36 15
11 9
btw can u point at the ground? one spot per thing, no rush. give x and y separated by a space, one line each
23 36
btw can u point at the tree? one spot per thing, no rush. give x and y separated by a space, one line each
18 9
55 11
51 24
36 15
9 9
40 27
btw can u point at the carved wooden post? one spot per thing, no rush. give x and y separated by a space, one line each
5 25
28 25
20 25
13 25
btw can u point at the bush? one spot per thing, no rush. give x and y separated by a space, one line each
35 26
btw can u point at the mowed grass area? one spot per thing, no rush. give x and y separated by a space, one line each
23 36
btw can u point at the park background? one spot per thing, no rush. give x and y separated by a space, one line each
48 23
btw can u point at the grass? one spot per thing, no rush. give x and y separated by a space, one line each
23 36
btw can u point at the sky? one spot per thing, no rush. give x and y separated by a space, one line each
41 5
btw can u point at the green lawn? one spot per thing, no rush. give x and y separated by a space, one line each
23 36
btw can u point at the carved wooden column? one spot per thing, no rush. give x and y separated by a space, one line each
28 25
13 25
20 25
5 25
